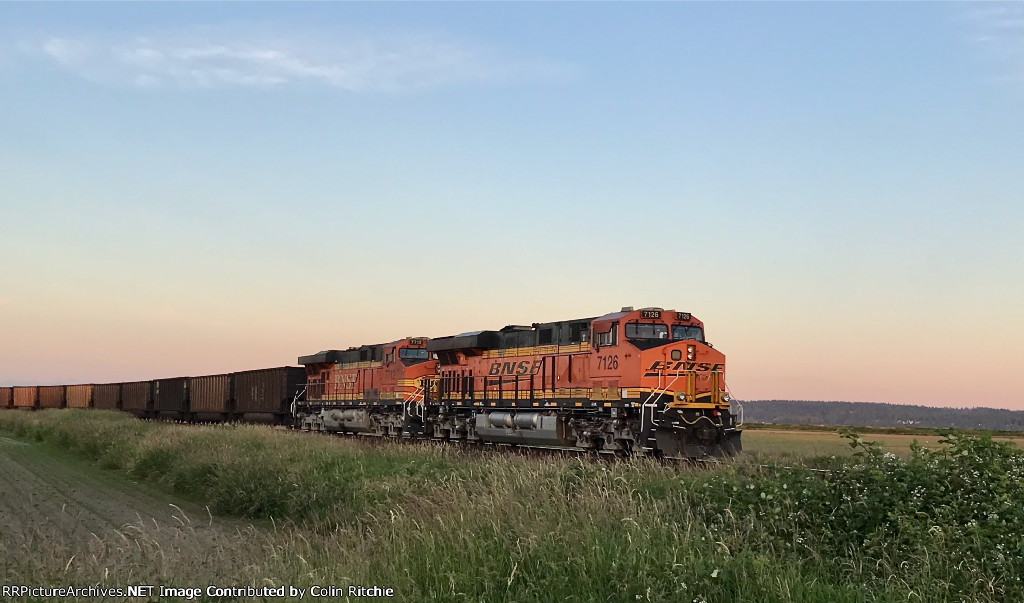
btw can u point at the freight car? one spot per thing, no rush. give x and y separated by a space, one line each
209 397
635 381
106 396
79 396
266 395
137 398
25 397
170 398
51 396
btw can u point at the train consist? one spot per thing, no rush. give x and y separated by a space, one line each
630 382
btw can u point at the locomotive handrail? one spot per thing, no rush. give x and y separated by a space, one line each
732 402
295 400
417 396
647 404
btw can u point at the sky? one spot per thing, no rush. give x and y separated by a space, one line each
835 189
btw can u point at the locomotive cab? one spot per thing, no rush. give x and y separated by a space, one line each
408 352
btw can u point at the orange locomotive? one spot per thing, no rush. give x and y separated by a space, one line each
634 381
368 389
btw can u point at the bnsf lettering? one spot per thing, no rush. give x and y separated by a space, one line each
523 367
701 367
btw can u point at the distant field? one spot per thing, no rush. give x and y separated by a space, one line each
807 443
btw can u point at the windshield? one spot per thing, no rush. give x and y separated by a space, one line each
637 330
413 353
680 332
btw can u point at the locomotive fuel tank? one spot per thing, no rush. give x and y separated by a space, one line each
529 428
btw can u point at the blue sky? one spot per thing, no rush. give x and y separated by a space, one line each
834 188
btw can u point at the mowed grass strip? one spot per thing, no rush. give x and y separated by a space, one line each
442 524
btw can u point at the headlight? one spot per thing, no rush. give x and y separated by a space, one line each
681 396
691 352
725 397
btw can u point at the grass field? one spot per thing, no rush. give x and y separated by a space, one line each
792 444
440 523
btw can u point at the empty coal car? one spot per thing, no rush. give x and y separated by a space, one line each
266 395
25 397
78 396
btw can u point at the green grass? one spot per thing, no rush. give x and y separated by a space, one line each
440 523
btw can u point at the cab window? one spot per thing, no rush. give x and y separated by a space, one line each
413 353
687 332
640 330
609 337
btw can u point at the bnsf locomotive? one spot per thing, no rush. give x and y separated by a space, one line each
634 381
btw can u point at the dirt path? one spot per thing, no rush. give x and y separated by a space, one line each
63 521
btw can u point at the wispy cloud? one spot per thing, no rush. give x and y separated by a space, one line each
214 58
999 30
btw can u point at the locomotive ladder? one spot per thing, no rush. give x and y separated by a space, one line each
648 427
415 404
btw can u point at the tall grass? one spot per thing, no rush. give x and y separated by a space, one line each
439 523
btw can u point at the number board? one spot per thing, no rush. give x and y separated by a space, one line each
682 316
415 342
650 313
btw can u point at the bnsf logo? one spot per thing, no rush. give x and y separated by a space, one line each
524 367
702 367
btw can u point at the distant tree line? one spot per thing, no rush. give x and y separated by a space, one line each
879 414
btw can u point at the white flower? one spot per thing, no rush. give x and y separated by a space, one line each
714 574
